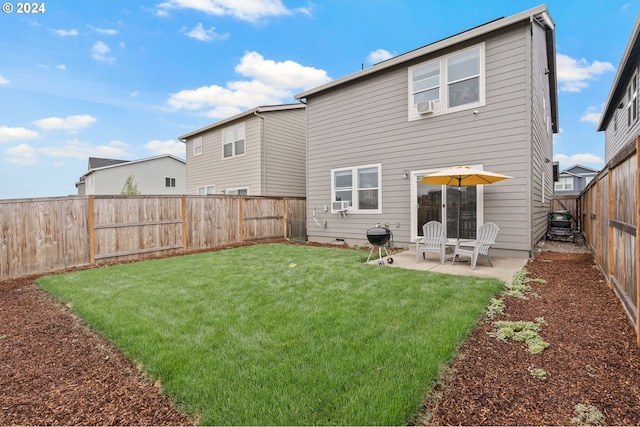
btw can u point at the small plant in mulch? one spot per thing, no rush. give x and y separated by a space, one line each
522 331
587 415
496 306
519 286
537 373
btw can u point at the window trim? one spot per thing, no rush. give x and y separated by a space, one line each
441 105
206 193
561 185
235 141
233 191
355 199
197 146
169 182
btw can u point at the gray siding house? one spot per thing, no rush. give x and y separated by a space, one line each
260 152
163 174
574 179
620 116
484 98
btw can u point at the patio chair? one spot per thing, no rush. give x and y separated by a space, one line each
487 234
433 240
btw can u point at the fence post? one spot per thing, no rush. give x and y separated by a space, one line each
284 208
90 226
240 222
610 229
183 217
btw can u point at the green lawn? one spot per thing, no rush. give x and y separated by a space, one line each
279 334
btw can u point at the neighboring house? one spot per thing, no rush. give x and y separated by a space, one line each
486 98
260 152
154 175
620 117
574 179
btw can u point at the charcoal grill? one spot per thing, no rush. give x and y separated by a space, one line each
379 237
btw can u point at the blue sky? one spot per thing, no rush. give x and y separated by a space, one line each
123 79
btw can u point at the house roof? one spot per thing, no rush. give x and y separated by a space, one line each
98 162
539 14
580 170
129 162
256 110
624 73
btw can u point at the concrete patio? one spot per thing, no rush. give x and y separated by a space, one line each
503 268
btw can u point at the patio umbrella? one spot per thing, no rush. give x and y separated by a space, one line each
462 176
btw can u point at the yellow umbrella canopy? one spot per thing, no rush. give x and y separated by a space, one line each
462 176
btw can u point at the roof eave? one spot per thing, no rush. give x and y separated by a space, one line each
425 50
615 91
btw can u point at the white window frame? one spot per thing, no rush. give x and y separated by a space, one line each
206 190
564 184
441 106
355 187
197 145
169 182
237 190
233 130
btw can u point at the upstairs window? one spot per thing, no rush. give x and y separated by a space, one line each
169 182
564 184
451 83
197 146
233 141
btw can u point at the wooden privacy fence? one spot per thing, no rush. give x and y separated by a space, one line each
48 234
610 215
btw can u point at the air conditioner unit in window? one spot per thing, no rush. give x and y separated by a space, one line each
425 107
340 206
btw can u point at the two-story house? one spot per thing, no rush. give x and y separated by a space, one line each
259 152
486 98
164 174
574 179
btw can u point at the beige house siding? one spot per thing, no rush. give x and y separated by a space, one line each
364 121
274 159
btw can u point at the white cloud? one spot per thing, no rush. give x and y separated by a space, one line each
104 31
23 155
82 150
100 52
246 10
61 67
4 81
591 116
271 83
580 158
13 134
66 33
170 146
200 33
379 55
71 123
575 74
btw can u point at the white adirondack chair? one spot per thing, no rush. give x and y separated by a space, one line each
487 234
433 240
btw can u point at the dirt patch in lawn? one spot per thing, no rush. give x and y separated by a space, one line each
589 373
56 371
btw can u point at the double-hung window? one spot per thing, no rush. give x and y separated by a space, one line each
564 184
197 146
359 186
450 83
233 141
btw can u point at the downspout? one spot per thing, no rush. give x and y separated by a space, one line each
263 149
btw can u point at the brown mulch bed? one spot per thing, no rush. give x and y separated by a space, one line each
56 371
592 359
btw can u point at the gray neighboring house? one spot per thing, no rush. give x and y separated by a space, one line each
620 116
574 179
486 97
164 174
259 152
